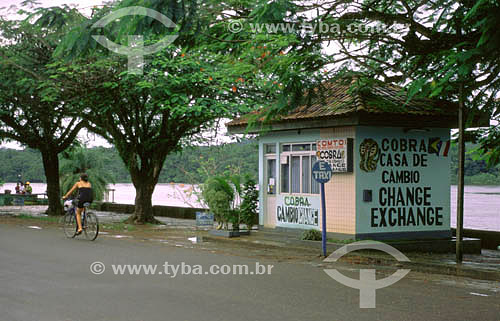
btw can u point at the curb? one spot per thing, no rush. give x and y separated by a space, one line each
453 270
364 258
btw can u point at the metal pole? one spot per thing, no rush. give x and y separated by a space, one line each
323 218
461 166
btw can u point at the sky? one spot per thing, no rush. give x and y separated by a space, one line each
49 3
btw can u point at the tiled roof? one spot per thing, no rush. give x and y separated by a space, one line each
338 99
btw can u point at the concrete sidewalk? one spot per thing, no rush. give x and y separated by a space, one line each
104 217
485 266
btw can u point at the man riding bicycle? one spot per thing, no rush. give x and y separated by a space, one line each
84 196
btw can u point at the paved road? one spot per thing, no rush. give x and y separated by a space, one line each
45 277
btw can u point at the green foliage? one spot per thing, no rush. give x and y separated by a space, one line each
311 235
197 163
79 160
8 200
27 163
192 165
483 179
112 164
222 195
454 44
219 195
249 203
476 169
50 219
34 110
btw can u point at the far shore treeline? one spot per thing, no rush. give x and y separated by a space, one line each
188 164
184 167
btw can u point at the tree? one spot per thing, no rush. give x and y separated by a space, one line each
32 113
451 52
183 89
443 49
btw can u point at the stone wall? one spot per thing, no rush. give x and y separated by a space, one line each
165 211
489 239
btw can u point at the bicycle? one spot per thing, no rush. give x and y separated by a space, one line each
90 223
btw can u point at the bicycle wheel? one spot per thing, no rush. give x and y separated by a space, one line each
91 226
69 225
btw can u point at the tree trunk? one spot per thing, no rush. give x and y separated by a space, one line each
51 168
143 213
461 166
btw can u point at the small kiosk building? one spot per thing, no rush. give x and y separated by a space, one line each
390 160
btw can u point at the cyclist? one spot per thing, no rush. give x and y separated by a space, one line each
84 196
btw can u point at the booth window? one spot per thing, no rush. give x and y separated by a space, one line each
296 162
270 151
271 176
306 174
285 176
295 174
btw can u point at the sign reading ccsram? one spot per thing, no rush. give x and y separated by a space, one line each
297 211
337 152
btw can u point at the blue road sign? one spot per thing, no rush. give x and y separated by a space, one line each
321 172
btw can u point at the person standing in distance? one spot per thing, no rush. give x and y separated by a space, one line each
27 188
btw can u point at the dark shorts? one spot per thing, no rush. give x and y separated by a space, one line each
79 203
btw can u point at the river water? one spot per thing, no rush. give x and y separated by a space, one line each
181 195
482 203
481 207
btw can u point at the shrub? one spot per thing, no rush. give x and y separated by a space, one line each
222 193
312 235
249 204
219 194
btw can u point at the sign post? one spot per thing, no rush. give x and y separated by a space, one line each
322 173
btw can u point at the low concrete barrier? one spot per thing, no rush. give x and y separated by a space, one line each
158 210
176 212
489 239
8 199
114 207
